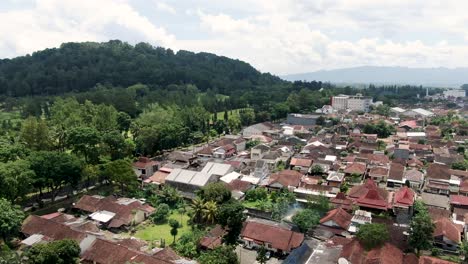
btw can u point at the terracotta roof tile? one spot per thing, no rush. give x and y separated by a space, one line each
459 200
301 162
339 216
279 237
356 167
341 201
353 252
445 227
438 171
239 185
386 254
396 171
286 178
56 231
124 212
404 197
432 260
107 252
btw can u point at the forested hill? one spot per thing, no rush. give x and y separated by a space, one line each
77 67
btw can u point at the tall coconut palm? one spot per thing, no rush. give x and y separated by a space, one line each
209 212
197 208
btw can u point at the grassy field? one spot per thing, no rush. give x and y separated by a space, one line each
266 206
234 112
153 232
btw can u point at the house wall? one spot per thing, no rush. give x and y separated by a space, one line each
334 183
254 245
240 146
445 243
138 217
255 154
251 131
331 223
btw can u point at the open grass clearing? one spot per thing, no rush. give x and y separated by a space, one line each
157 232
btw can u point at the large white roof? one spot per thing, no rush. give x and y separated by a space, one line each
230 177
398 109
217 168
423 112
33 239
415 134
188 177
102 216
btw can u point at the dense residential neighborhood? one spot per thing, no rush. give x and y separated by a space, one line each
358 183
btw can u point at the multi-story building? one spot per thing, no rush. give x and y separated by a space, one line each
340 102
455 93
357 102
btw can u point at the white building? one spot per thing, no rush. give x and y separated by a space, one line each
455 93
357 102
419 112
340 102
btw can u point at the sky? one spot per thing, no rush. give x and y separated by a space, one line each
279 36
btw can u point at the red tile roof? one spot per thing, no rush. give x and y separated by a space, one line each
353 252
107 252
51 216
143 162
361 190
438 171
404 197
239 185
301 162
410 258
414 162
459 200
123 212
432 260
214 238
420 147
159 176
445 227
286 178
370 195
438 213
378 171
373 200
206 151
410 123
464 186
279 237
378 159
341 201
339 217
396 171
54 230
386 254
356 167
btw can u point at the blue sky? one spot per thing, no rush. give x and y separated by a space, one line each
280 36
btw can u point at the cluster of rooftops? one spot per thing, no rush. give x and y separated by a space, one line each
382 175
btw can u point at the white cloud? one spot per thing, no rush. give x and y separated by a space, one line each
288 36
283 36
52 22
165 7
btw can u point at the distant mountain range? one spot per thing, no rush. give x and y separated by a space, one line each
438 77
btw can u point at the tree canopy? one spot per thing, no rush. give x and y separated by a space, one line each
306 219
60 252
11 218
372 235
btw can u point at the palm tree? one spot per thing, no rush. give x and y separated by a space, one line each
209 211
198 206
